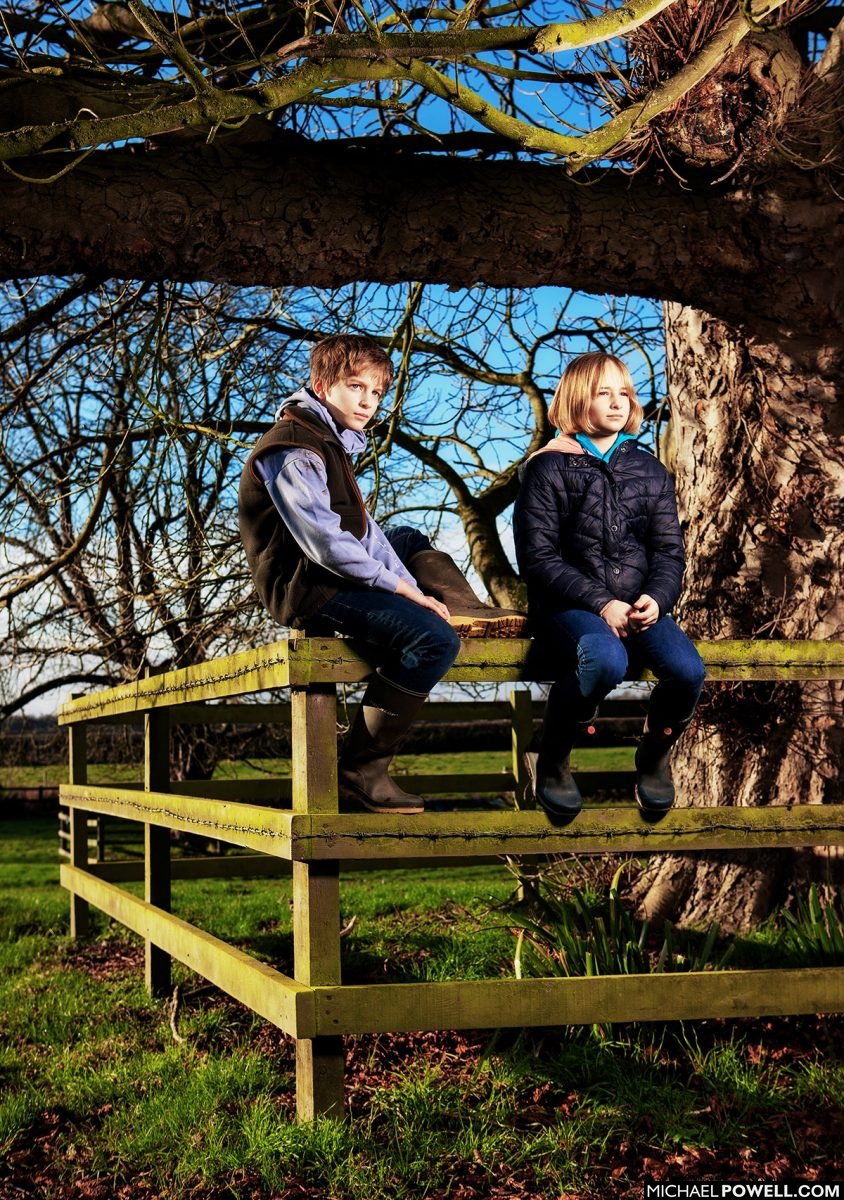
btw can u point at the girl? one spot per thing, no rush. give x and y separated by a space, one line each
598 543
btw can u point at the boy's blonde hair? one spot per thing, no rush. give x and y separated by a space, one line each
569 410
343 354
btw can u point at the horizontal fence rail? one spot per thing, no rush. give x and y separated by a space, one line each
301 838
294 825
299 662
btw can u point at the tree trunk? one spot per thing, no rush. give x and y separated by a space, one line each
488 557
757 454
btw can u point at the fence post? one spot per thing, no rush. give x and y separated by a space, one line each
316 894
521 703
157 843
78 772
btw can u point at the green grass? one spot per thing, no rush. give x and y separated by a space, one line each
25 777
56 773
84 1047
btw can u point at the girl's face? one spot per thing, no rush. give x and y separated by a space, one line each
610 408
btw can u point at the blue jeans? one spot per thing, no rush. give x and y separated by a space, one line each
415 647
589 661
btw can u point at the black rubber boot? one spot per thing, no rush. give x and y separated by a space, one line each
438 575
654 789
548 764
383 718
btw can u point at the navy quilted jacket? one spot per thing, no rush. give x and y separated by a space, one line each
588 532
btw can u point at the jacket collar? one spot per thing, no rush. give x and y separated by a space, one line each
353 441
589 446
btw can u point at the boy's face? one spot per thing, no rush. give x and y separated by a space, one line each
354 399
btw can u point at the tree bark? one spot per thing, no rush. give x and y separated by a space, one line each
279 214
759 466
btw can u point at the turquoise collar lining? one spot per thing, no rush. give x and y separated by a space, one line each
590 447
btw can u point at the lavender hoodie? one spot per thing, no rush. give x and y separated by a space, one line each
298 486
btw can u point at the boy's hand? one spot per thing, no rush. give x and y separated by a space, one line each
410 593
616 614
643 614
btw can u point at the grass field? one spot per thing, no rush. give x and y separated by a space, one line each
103 1088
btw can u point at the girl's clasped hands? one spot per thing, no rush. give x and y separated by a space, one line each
631 618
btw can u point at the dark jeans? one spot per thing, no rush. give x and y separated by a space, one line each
414 645
590 661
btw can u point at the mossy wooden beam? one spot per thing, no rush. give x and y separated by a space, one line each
489 659
594 831
763 660
334 1011
266 830
298 662
352 836
274 996
235 675
520 1003
521 732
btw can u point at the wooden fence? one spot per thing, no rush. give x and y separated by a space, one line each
618 724
313 1006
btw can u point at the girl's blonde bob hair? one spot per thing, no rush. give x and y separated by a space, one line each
569 410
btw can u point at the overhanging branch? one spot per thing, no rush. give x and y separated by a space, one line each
337 59
457 43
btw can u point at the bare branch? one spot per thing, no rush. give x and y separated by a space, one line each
372 57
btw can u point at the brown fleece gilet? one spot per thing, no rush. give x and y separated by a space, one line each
292 587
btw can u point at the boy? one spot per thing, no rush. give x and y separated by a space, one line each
319 560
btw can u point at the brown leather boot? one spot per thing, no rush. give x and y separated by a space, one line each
438 575
383 718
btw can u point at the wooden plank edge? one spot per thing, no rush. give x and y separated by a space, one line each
238 674
604 829
280 999
524 1003
297 662
467 833
255 828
